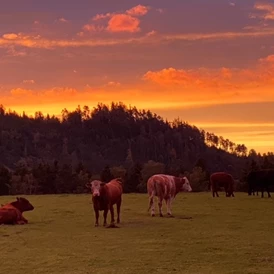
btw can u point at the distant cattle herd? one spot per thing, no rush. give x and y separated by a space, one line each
165 187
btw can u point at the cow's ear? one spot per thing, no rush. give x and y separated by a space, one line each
88 185
102 184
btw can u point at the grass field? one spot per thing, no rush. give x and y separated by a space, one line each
220 235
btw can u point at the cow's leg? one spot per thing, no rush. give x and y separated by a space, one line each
112 221
96 217
168 203
20 219
268 193
160 204
213 191
105 216
151 205
20 222
24 220
118 210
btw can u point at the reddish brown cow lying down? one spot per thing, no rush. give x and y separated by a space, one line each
104 197
11 213
165 187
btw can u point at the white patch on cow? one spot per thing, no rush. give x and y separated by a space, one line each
186 186
167 191
95 187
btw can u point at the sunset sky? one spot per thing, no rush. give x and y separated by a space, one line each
209 62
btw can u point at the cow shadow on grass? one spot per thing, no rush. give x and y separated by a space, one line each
180 217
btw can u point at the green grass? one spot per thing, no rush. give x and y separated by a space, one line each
207 235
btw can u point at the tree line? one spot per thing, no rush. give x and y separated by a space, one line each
47 154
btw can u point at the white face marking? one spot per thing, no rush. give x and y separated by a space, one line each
186 186
95 188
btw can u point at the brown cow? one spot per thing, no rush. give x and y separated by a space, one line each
222 179
11 213
165 187
104 197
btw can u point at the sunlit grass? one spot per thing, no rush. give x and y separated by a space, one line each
220 235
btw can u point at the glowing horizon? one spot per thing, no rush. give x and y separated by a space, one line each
216 74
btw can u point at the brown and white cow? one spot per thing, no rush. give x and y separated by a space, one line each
11 213
222 179
104 197
165 187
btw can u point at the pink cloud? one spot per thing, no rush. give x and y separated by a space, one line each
138 10
151 33
92 28
266 8
102 16
113 84
123 23
16 53
259 76
63 20
28 81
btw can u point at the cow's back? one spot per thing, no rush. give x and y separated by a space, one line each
114 190
221 179
161 185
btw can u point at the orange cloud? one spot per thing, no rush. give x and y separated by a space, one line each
102 16
138 10
113 84
16 53
10 36
224 78
92 28
200 78
28 81
153 32
123 22
267 8
31 41
21 92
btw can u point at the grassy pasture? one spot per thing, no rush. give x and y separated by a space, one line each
207 235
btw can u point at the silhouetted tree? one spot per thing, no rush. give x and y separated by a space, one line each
54 155
106 175
5 179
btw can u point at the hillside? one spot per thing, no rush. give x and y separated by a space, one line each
50 155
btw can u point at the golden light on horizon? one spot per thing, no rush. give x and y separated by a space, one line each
176 70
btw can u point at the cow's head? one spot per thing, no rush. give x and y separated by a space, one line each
95 187
186 185
22 204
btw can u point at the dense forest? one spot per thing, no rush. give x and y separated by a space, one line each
47 154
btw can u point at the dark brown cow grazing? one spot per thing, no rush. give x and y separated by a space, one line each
222 179
11 213
260 180
104 197
165 187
